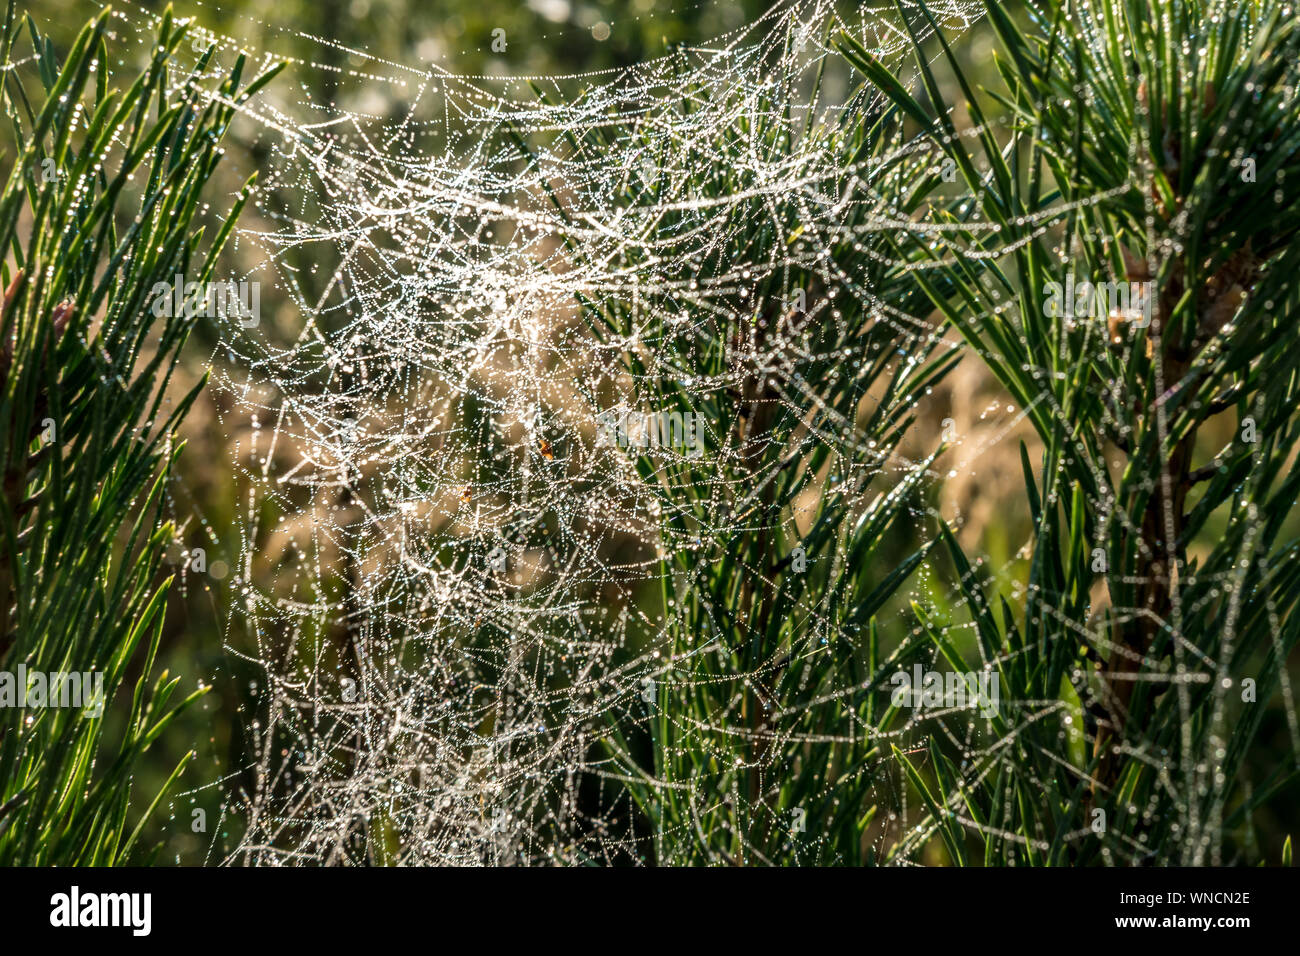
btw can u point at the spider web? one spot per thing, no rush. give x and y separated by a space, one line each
466 488
489 532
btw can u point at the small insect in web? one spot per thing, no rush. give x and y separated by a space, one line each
466 494
546 450
919 750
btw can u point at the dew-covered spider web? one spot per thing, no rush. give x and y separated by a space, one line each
566 375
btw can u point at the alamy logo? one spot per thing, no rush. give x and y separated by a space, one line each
951 690
102 909
238 300
675 431
1133 302
26 688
